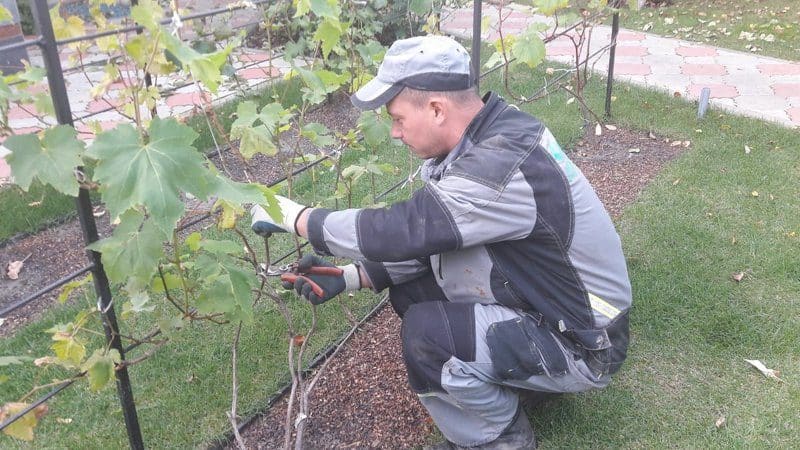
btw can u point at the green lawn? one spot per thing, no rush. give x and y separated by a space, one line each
764 27
693 325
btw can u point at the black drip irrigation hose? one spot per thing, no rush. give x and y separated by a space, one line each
229 437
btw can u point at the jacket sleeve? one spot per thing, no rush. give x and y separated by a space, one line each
386 274
454 213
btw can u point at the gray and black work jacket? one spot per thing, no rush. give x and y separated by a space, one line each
504 218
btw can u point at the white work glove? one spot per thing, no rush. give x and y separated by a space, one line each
264 225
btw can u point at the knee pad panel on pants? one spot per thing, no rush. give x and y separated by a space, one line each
434 332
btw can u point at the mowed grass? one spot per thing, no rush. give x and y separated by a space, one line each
764 27
717 211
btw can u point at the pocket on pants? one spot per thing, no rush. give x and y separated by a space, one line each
520 348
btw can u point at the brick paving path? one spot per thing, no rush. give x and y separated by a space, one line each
743 83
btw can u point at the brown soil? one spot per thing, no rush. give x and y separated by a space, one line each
363 400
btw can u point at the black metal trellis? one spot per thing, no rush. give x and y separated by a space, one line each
49 46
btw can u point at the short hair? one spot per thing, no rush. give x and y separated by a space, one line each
418 98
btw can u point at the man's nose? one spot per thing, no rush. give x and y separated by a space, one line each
396 134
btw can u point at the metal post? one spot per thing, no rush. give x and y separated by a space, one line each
476 43
58 92
610 80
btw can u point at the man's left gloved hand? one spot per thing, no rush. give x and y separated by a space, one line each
319 281
264 225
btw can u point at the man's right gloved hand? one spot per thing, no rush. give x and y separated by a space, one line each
312 282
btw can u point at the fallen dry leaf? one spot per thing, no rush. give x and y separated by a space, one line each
37 203
720 422
298 340
633 150
754 193
598 130
63 420
611 127
769 373
737 276
13 268
746 150
676 181
676 143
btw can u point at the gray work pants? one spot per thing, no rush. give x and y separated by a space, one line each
464 359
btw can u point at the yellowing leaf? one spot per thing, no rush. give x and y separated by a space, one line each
23 427
769 373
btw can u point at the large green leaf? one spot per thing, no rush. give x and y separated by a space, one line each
133 250
52 160
100 368
152 174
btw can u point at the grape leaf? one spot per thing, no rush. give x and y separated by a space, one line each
328 33
318 134
69 350
420 7
258 138
529 49
133 250
548 7
52 160
228 292
147 13
5 14
151 174
205 67
100 368
375 127
23 427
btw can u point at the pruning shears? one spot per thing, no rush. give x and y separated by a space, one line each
289 273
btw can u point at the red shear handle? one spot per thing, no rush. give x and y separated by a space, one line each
323 270
292 277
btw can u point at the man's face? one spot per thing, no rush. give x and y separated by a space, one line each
416 127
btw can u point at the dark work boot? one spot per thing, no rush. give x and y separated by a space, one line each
517 436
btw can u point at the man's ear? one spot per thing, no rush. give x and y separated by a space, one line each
439 109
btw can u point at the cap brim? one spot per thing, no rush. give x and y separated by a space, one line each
375 94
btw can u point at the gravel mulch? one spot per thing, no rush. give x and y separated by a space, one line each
363 400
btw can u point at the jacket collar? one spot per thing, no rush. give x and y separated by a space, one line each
433 169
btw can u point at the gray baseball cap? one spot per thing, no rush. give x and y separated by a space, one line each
424 63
